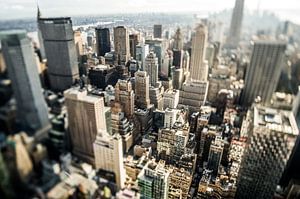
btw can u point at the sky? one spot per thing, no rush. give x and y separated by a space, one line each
15 9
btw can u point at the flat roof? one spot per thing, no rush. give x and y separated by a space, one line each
275 119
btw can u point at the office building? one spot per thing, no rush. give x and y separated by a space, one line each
171 98
143 120
101 76
199 68
151 67
124 95
103 44
194 91
178 58
193 95
156 96
133 42
157 31
178 40
215 155
78 44
40 37
263 73
121 125
121 44
142 97
236 24
153 181
109 148
32 112
166 63
60 49
86 116
142 50
272 136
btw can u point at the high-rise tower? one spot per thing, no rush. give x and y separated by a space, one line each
272 134
178 41
151 67
199 69
102 41
23 72
263 73
86 116
124 94
121 44
236 24
58 37
157 31
142 89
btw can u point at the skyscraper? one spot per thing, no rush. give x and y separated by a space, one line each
23 72
178 41
199 69
124 94
133 41
142 50
86 116
272 134
40 37
236 24
157 31
151 67
121 44
59 44
109 156
102 41
142 89
263 73
215 155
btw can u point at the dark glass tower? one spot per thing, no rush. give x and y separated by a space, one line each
103 41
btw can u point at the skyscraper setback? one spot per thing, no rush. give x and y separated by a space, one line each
236 24
263 73
199 69
102 41
58 37
151 67
22 70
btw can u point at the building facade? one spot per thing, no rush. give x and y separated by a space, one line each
121 44
263 73
22 70
58 37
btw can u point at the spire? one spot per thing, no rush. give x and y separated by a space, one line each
38 11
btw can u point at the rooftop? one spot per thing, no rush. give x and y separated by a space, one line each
275 119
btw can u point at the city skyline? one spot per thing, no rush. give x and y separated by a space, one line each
149 105
286 10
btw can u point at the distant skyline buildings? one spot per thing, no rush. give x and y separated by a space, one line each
235 29
26 9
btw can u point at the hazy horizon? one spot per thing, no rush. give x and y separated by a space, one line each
17 9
